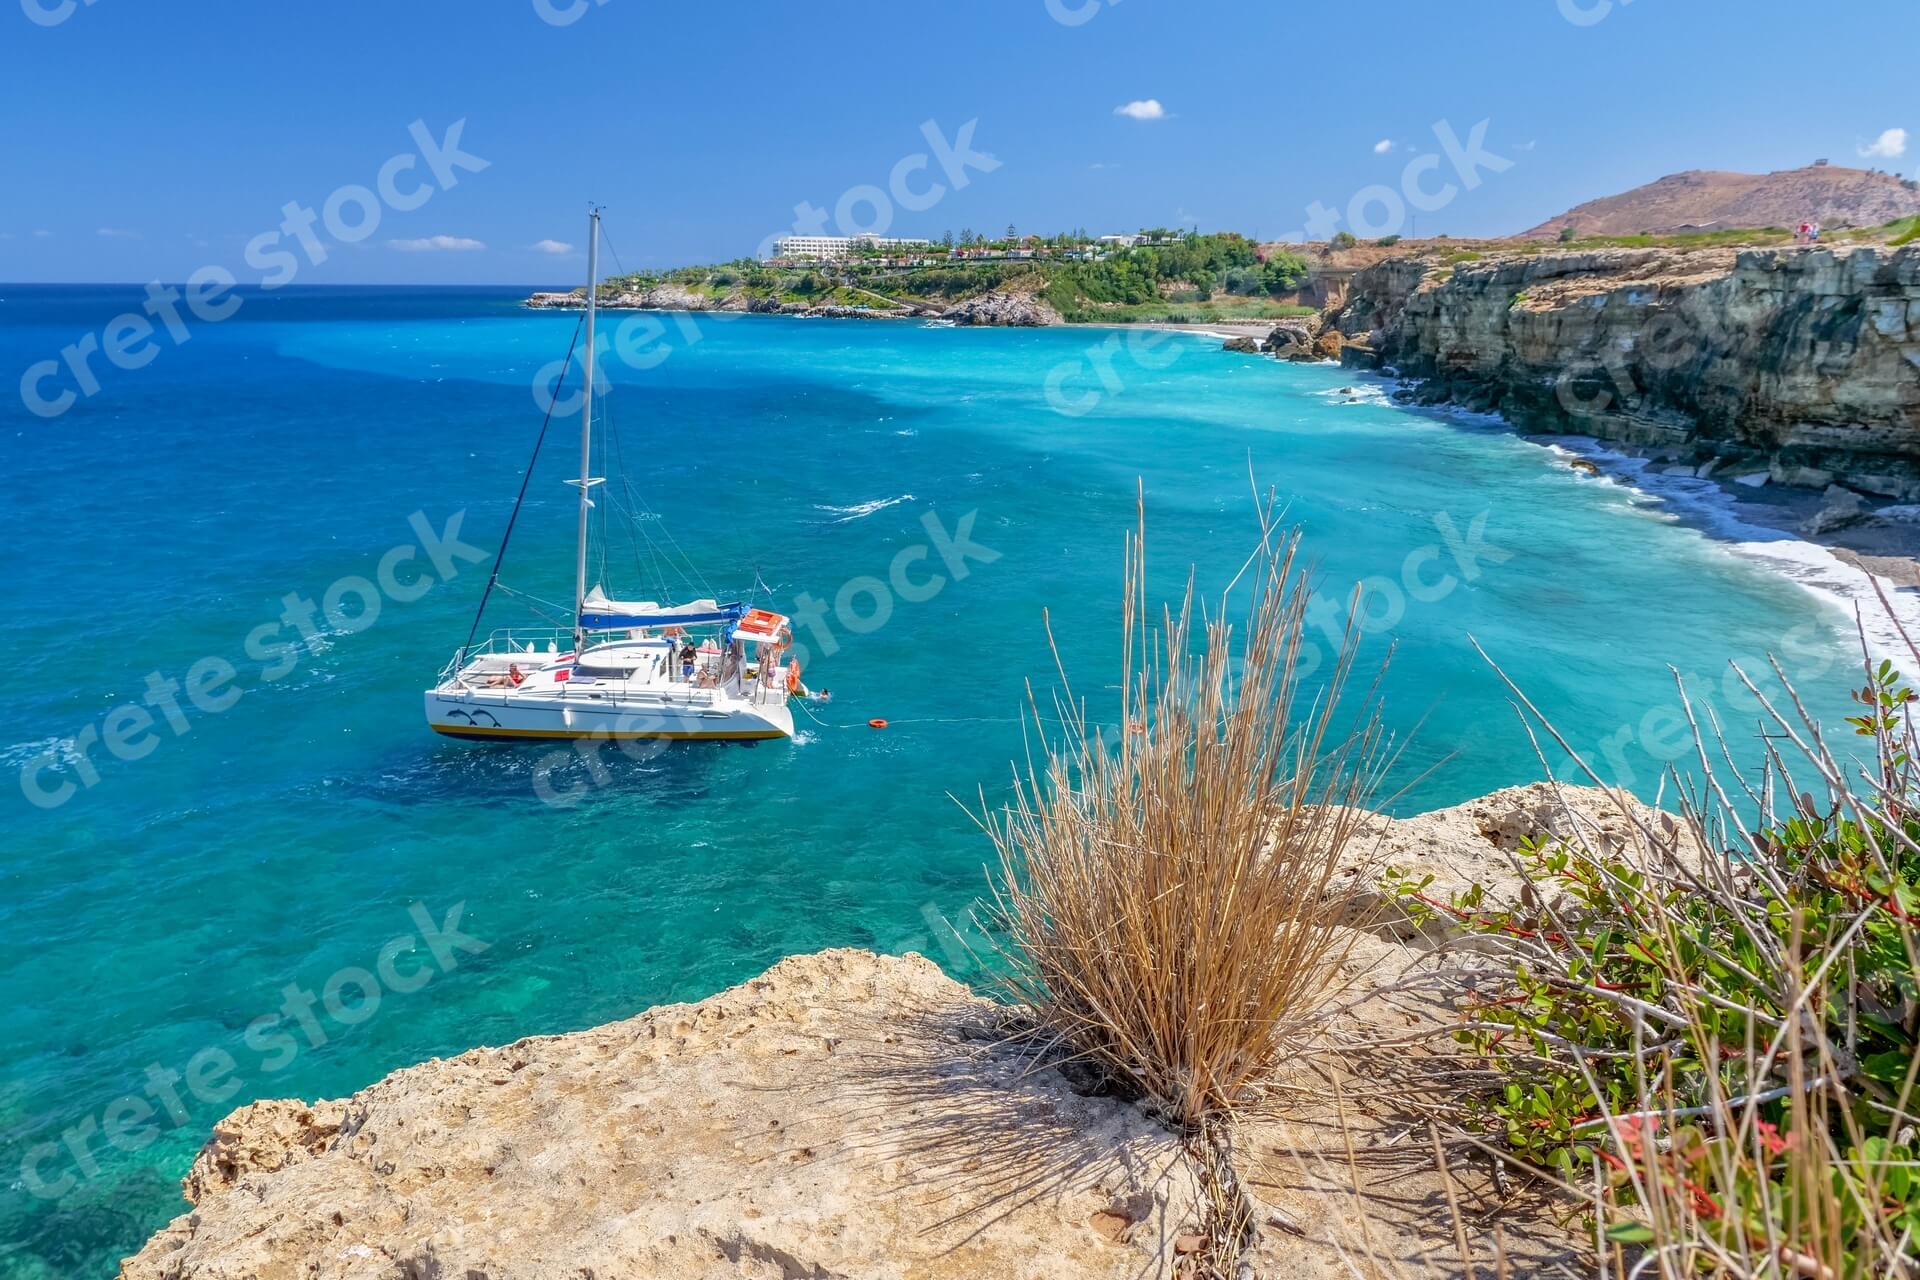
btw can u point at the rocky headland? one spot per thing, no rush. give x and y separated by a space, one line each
854 1115
1004 307
1790 366
673 297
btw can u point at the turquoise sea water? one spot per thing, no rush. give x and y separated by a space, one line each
159 912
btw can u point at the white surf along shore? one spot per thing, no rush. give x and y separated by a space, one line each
1717 511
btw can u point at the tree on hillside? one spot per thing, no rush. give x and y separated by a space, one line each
1283 273
1244 282
946 241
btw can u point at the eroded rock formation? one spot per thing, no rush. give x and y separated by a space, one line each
1003 307
1804 363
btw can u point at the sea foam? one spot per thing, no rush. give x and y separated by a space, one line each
861 510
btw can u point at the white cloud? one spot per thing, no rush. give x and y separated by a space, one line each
1525 146
6 235
437 244
1383 146
43 235
1144 109
115 233
553 246
1890 145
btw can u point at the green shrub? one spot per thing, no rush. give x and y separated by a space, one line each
1726 1041
1284 272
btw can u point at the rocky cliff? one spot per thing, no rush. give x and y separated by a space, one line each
1802 364
852 1115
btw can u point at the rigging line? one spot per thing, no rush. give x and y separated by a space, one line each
535 603
678 560
620 469
529 596
698 579
610 249
600 465
688 571
499 558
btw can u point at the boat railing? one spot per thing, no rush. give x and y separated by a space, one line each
537 643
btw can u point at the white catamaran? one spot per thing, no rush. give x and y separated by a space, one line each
629 669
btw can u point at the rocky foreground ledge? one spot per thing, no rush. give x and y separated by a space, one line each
854 1115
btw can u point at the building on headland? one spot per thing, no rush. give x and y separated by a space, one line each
833 248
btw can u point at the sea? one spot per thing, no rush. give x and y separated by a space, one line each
235 864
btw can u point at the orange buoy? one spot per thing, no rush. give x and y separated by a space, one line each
1136 727
876 724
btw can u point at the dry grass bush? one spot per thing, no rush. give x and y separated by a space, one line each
1167 884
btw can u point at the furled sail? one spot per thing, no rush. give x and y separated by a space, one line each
598 613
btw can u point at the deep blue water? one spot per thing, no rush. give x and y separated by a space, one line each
154 915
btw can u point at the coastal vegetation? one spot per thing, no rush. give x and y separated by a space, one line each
1708 1033
1165 275
1711 1035
1155 276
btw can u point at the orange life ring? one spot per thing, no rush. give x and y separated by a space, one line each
876 724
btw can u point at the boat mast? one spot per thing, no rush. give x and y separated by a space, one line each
587 480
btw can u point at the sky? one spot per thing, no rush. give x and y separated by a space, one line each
145 141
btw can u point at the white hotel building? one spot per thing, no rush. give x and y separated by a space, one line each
830 248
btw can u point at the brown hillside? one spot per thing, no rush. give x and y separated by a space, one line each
1700 200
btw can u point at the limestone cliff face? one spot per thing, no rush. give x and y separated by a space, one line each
1802 362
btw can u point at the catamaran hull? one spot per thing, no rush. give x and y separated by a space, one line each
474 716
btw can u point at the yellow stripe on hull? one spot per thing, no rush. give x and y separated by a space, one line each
482 732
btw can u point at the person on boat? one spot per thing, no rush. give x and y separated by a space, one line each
512 678
688 656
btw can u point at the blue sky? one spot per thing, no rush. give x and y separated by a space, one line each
144 141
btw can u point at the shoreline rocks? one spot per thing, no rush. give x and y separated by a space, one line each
676 298
1003 307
